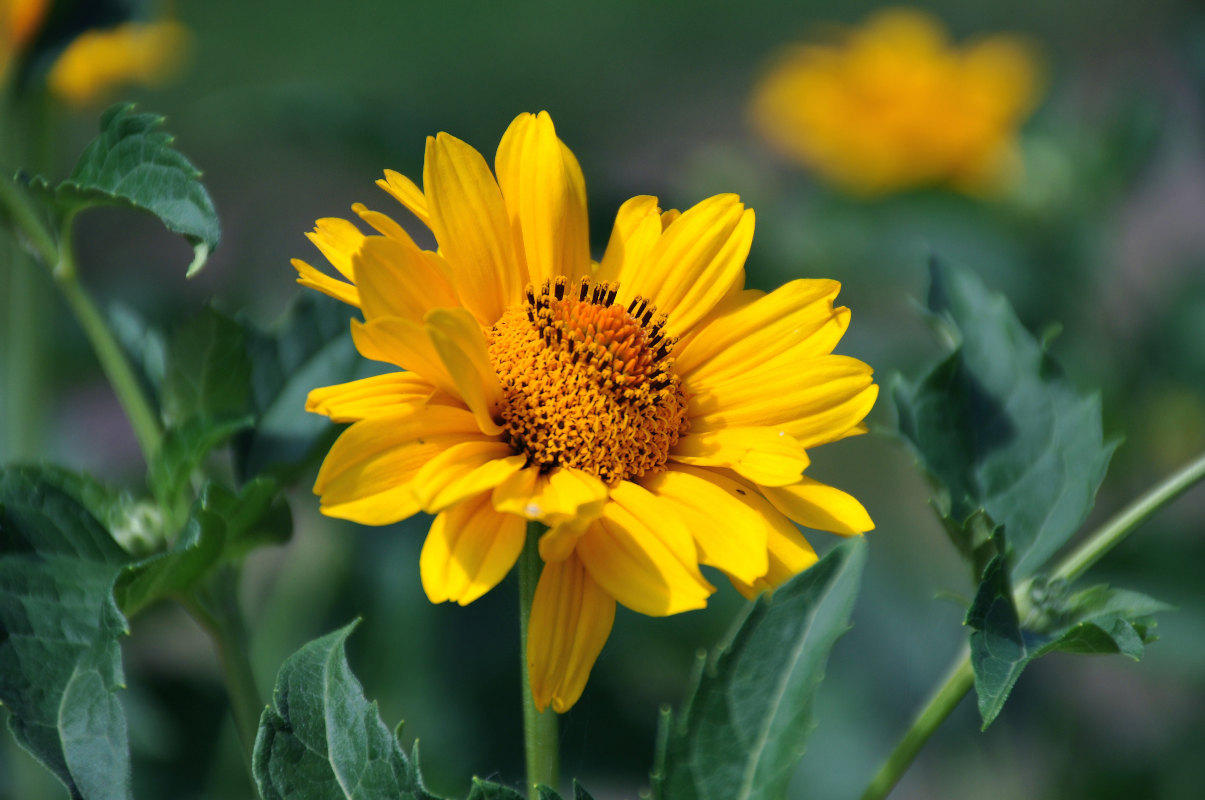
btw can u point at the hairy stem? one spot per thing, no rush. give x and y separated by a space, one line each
539 727
960 679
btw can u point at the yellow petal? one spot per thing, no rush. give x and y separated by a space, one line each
462 349
464 470
752 327
404 343
637 228
821 507
405 192
766 456
366 474
469 220
469 550
698 260
382 223
315 279
376 396
338 240
728 533
396 279
571 618
815 400
99 59
547 212
642 555
565 499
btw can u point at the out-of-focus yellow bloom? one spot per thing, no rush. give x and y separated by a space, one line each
648 409
893 105
19 21
148 53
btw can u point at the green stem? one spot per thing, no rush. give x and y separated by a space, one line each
216 609
961 678
539 727
943 701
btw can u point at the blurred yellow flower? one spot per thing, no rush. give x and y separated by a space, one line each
648 409
893 105
98 60
19 22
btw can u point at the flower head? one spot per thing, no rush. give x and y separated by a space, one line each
893 105
649 410
98 60
19 23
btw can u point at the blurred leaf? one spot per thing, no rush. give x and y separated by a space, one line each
196 551
60 663
258 515
135 525
1001 430
488 790
144 344
322 739
310 347
747 723
131 164
208 370
182 451
1095 620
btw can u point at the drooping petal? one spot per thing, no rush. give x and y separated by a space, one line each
565 499
751 327
468 217
407 193
766 456
366 475
816 401
463 470
396 279
729 534
469 550
698 260
461 346
316 279
821 507
369 397
339 240
642 555
571 618
547 211
403 343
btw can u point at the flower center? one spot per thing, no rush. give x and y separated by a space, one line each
588 383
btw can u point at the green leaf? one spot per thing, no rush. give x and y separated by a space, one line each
60 662
748 721
488 790
310 347
1095 620
132 164
208 371
136 525
322 739
1001 430
183 450
258 515
197 550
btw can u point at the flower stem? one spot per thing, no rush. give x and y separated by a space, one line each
961 677
539 727
216 609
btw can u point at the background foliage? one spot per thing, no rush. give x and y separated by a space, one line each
292 110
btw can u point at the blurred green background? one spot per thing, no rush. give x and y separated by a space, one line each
293 109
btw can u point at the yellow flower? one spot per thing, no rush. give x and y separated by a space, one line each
648 409
893 105
98 60
19 23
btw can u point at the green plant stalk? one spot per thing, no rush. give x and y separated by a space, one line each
60 257
215 607
960 679
539 727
